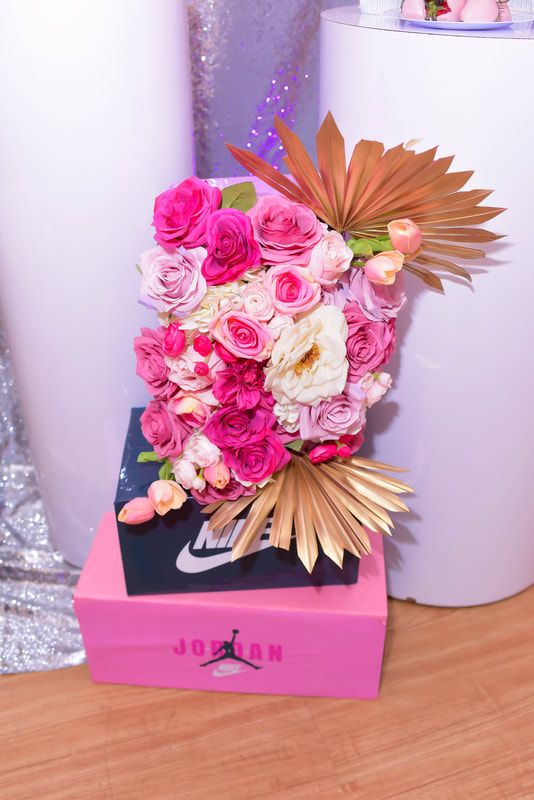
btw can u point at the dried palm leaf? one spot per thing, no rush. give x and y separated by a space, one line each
379 186
331 504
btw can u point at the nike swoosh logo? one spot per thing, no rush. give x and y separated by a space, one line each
191 564
225 670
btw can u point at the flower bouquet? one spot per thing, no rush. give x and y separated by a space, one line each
277 316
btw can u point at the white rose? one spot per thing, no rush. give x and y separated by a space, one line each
308 362
184 472
278 323
330 258
288 416
257 300
210 305
201 451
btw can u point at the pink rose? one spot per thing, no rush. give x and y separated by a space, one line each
190 407
211 494
291 291
405 235
232 248
242 335
151 366
377 302
257 301
286 232
193 372
172 282
330 259
353 443
256 461
369 344
164 431
242 384
181 214
230 427
333 418
383 268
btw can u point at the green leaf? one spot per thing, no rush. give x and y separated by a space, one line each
381 244
138 268
165 471
241 196
296 445
147 455
360 247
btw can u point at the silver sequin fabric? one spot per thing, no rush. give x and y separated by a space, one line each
250 59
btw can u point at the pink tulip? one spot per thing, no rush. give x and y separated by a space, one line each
405 235
218 475
136 511
383 267
414 9
166 495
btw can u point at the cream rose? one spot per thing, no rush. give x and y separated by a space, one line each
288 416
330 259
308 362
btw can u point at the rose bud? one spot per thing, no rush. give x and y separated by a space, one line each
378 388
199 484
184 472
174 340
383 267
165 495
405 235
136 511
202 345
323 452
224 354
201 369
218 475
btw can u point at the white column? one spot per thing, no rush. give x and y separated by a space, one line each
95 121
460 416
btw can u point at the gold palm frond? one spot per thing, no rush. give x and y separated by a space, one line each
379 186
332 504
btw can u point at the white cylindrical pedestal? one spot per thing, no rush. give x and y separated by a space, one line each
96 120
460 416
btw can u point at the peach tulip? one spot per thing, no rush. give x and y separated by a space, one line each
218 475
166 495
405 235
136 511
383 267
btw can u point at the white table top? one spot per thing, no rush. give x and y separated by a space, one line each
351 15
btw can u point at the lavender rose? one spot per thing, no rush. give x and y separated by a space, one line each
163 430
333 418
232 248
286 232
369 344
151 366
172 283
181 214
377 302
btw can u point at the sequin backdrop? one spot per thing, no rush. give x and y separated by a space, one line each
250 59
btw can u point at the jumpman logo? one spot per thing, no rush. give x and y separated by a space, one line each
229 652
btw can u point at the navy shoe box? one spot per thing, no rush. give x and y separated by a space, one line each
177 553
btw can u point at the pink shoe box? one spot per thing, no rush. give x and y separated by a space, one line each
320 641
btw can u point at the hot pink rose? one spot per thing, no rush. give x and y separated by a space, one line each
333 418
286 232
181 214
291 289
377 302
163 430
172 282
369 344
257 461
230 427
232 248
242 335
242 384
151 366
211 494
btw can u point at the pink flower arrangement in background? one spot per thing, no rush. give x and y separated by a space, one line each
274 331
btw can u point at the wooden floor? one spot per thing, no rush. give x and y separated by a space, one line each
455 720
